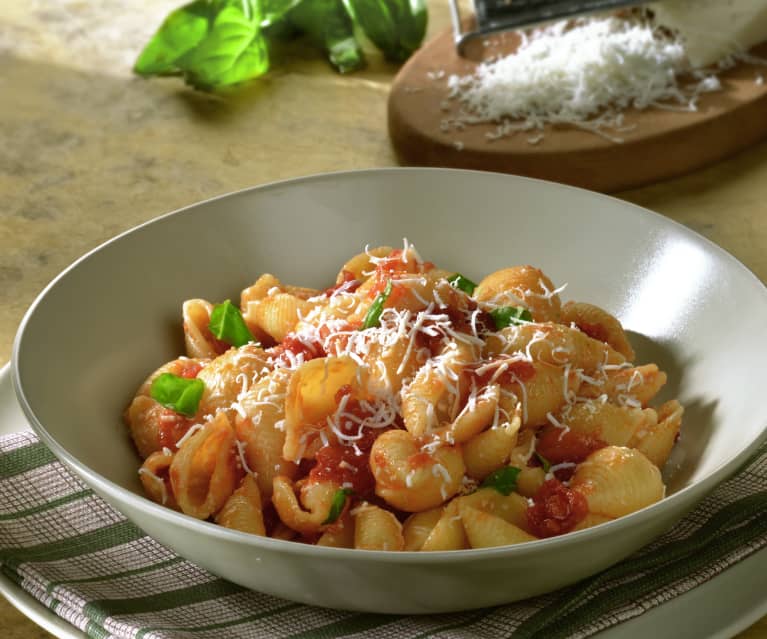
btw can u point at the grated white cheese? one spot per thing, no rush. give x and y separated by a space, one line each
583 73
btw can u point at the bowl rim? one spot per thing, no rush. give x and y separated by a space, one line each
694 492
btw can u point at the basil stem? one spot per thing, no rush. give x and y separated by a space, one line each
504 480
373 316
226 324
337 505
507 315
177 393
462 283
545 463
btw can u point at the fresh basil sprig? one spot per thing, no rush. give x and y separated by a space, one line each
211 43
337 505
373 316
218 43
177 393
396 27
226 324
504 480
462 283
507 315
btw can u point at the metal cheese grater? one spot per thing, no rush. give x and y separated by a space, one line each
504 15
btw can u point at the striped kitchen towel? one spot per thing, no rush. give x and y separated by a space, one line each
88 564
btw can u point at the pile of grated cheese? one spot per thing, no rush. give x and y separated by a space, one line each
583 73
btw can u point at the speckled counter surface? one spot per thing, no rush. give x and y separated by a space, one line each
87 150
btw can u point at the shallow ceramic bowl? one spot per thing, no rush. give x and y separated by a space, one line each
114 316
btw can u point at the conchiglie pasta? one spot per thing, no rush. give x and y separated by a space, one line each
377 529
204 472
411 478
396 409
617 481
599 324
243 510
200 342
484 530
230 375
522 286
261 432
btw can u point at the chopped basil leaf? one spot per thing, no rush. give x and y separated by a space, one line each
337 506
177 393
544 462
507 315
226 324
462 283
373 316
504 480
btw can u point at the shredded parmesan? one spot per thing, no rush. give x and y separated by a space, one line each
583 73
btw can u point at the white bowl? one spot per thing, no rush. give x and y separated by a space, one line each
98 329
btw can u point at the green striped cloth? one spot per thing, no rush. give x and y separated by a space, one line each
88 564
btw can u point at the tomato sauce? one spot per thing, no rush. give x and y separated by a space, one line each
172 428
556 509
188 369
389 267
347 464
594 331
559 446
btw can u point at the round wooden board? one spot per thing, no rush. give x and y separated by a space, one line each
659 143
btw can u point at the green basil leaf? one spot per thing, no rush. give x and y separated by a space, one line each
212 43
177 393
181 31
462 283
508 315
337 505
373 316
545 463
328 25
504 480
234 50
226 324
396 27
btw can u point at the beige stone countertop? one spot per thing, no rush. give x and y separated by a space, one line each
88 150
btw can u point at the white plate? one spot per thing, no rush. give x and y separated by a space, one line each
719 609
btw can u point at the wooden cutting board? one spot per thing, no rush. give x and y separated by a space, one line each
660 143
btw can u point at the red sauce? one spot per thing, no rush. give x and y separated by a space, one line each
310 349
172 428
341 463
389 267
595 331
558 445
556 509
188 368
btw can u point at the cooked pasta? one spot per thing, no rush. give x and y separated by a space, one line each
404 408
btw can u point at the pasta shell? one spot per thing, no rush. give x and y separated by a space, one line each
377 529
204 471
243 510
521 286
617 481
